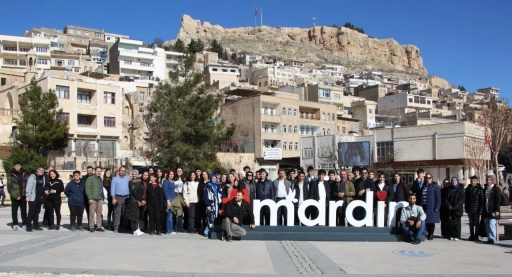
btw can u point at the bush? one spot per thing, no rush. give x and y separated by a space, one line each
29 160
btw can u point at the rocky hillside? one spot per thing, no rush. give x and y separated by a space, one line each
316 45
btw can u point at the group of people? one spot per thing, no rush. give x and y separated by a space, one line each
174 201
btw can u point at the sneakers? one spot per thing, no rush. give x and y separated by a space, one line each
100 230
80 228
16 228
230 238
138 233
451 239
172 234
490 242
73 228
455 239
223 236
23 226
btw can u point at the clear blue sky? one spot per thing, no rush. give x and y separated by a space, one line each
467 42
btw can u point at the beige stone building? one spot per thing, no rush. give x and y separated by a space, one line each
225 75
14 52
276 120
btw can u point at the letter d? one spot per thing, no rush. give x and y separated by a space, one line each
368 206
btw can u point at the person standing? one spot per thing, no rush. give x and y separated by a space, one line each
200 216
169 189
384 187
120 192
107 185
16 188
491 208
413 220
301 189
212 199
282 189
417 186
320 191
454 203
190 197
363 185
2 192
235 211
134 203
400 193
75 191
311 175
431 201
473 206
34 198
52 189
90 172
264 191
94 192
154 200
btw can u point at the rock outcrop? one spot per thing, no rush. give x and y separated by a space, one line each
314 45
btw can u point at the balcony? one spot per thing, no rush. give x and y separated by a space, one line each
137 65
135 54
270 118
271 136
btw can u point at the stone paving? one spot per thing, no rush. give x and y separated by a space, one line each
66 253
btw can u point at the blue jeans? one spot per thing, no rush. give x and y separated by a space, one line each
474 224
490 227
412 232
168 222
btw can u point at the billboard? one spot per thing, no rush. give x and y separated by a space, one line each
354 154
272 154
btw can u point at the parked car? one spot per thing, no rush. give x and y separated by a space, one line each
501 167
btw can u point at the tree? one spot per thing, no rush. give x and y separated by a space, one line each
234 58
225 55
497 123
461 88
216 47
29 159
476 154
183 114
157 42
179 46
351 26
195 46
39 123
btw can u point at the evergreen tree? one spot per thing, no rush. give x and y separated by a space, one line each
40 128
182 122
29 159
195 46
234 58
461 88
225 55
216 47
199 46
179 46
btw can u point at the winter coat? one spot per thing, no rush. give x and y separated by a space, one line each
267 192
494 202
132 210
190 192
75 192
251 188
418 191
287 185
232 209
458 201
401 194
177 205
54 184
154 196
305 190
389 194
16 187
315 194
93 187
433 204
31 187
474 199
363 185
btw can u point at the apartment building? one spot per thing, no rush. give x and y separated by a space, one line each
439 149
132 61
364 111
372 93
277 120
225 75
15 52
404 103
172 60
111 38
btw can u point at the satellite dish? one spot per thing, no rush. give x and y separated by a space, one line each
69 68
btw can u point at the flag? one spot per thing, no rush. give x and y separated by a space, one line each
255 10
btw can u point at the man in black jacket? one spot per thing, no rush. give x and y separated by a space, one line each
363 185
235 211
301 189
491 208
473 206
320 191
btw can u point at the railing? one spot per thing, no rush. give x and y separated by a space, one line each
143 64
4 111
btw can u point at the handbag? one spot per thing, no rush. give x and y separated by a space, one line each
505 201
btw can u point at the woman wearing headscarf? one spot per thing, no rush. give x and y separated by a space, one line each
431 202
454 203
444 213
134 203
212 199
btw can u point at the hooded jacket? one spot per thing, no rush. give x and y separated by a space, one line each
75 192
32 186
17 184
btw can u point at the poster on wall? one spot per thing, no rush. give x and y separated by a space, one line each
354 154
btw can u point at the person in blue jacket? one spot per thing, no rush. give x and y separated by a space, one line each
169 189
264 190
75 191
212 198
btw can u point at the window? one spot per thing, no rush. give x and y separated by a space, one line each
84 97
62 92
10 48
323 116
337 96
333 117
294 112
290 146
42 61
296 146
324 152
289 112
416 99
64 117
271 111
410 99
265 128
77 69
265 110
343 129
295 129
109 121
78 32
323 131
11 61
59 62
84 120
98 35
307 153
302 130
71 62
284 145
284 128
109 97
290 128
385 151
85 68
86 34
266 83
127 62
141 95
272 128
328 116
284 111
23 62
41 49
324 93
370 111
328 131
428 102
422 100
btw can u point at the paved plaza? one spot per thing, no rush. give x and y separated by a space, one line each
65 253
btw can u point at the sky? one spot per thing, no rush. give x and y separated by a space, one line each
467 42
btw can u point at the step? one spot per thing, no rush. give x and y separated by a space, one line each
317 233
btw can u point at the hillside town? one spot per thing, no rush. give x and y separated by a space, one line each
288 114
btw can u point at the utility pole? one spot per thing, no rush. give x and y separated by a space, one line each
261 17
